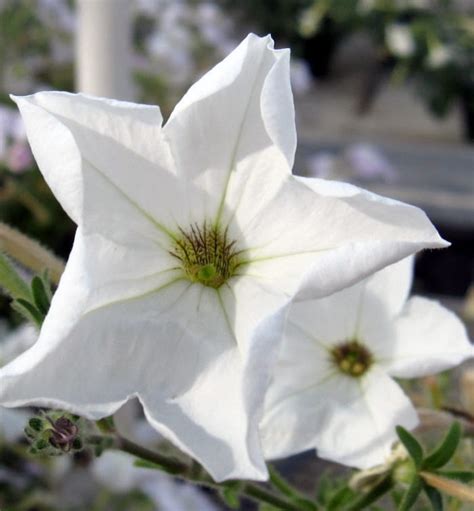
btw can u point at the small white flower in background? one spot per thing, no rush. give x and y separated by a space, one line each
399 40
301 79
333 388
438 56
368 162
117 472
192 240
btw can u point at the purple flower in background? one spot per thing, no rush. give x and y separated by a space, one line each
368 162
19 157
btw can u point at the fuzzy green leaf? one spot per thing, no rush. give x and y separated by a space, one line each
28 311
40 295
445 451
365 500
411 445
434 497
230 497
463 476
411 495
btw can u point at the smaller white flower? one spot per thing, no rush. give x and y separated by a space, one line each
333 388
399 40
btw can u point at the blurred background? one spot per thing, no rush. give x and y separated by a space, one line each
384 93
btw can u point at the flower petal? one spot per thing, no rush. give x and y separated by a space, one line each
357 423
198 387
292 398
336 235
348 421
428 338
237 110
106 161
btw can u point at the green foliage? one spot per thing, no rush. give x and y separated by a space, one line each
427 478
411 495
373 495
230 495
412 445
10 280
35 307
445 451
435 497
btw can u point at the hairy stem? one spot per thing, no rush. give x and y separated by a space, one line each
189 473
30 253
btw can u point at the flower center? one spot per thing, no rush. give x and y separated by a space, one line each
206 255
352 358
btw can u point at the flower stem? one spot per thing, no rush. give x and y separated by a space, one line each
30 253
166 463
189 473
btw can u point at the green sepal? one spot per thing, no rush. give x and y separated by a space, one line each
435 497
40 295
28 311
11 281
411 495
462 476
445 451
412 445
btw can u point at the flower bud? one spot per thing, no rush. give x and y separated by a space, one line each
54 433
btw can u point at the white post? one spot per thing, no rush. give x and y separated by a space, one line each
103 48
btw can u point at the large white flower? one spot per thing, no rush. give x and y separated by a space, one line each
333 387
192 238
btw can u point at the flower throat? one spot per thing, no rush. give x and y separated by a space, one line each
206 255
352 358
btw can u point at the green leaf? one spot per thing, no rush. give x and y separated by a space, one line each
445 451
364 500
147 464
411 495
341 497
11 281
411 445
28 311
304 504
434 497
40 295
463 476
230 497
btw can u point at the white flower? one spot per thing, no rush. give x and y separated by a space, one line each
333 388
399 40
439 56
192 239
